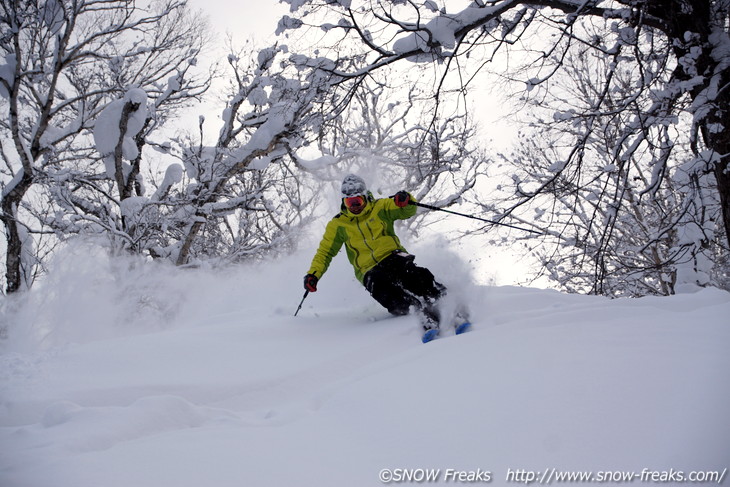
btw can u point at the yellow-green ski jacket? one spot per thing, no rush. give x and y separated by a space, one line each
368 237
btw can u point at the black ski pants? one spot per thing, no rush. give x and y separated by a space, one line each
398 283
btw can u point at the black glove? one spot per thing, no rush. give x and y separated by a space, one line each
401 198
310 283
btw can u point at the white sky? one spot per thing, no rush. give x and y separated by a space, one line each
242 18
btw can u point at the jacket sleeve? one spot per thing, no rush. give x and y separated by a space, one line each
394 212
330 245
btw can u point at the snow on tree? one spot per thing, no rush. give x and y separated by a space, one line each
390 134
113 145
251 191
61 63
607 226
241 196
674 52
103 165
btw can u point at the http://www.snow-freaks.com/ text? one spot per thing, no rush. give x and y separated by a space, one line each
548 476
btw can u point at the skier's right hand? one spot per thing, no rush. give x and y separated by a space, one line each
310 283
402 199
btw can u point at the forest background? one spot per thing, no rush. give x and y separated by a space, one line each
125 123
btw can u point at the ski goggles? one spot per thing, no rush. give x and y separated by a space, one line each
355 202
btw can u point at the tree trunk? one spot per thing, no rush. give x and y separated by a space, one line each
682 19
722 176
184 253
14 251
715 130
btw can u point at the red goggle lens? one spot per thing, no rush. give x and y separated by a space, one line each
354 201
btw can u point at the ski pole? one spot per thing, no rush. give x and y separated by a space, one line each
422 205
302 302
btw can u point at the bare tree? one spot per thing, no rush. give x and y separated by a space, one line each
265 121
395 137
609 230
63 62
675 52
235 199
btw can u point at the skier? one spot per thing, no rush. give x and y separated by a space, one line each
365 226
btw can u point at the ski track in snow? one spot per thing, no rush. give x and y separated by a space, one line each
235 391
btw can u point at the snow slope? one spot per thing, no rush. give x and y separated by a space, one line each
121 375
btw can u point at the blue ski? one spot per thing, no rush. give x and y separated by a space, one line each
462 328
433 333
430 335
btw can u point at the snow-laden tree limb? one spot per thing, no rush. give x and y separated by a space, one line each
61 63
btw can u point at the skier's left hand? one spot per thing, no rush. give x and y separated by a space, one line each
401 199
310 283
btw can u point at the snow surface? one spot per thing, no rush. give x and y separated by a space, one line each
120 374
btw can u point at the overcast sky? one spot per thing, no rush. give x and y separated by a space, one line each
242 18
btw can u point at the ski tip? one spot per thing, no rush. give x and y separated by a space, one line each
463 328
430 335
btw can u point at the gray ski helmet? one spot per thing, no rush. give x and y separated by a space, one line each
353 185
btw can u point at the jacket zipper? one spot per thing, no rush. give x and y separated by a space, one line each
365 240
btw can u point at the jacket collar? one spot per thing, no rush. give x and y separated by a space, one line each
363 214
